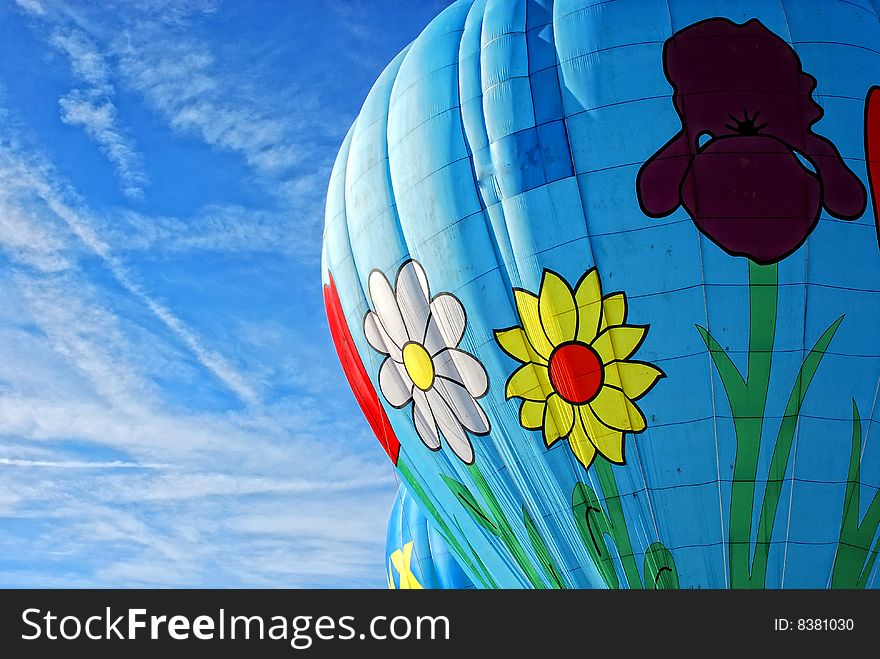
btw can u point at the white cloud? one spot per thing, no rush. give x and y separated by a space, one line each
32 6
185 498
85 61
92 108
25 241
177 77
31 182
110 435
217 228
199 499
285 135
74 464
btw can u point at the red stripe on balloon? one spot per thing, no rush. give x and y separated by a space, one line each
356 374
872 149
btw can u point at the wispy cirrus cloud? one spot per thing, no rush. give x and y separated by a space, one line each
91 108
28 178
32 6
184 498
286 136
27 241
216 228
81 464
177 78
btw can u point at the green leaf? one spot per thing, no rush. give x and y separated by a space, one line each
543 552
854 560
470 503
441 525
731 378
486 575
593 525
782 453
660 570
505 530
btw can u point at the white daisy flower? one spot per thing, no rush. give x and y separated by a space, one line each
420 336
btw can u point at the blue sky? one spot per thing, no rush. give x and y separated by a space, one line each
171 409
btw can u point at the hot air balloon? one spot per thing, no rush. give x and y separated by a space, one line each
605 279
416 555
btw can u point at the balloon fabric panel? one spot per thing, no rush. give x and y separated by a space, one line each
614 285
417 556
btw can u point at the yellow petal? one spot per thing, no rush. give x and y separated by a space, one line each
527 308
608 442
581 446
619 342
531 381
558 419
531 414
514 342
613 310
588 296
634 378
556 306
616 411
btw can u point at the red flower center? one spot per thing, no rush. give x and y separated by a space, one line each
576 372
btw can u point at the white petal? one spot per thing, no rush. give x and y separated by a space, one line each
378 338
452 431
460 366
423 419
446 324
385 305
412 298
466 410
395 383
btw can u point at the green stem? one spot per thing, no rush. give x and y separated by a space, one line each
782 453
619 530
506 533
443 527
748 399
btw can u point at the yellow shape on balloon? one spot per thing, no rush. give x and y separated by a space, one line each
402 562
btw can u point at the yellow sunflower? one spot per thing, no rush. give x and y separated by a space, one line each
577 380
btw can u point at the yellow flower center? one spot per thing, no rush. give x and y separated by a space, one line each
418 365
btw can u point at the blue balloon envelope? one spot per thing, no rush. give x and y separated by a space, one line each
605 278
416 555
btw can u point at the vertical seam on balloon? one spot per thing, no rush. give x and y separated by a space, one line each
347 232
529 499
490 231
648 488
797 433
490 225
393 206
565 119
559 501
373 357
403 234
515 465
712 387
570 460
503 266
480 7
574 174
870 420
870 424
